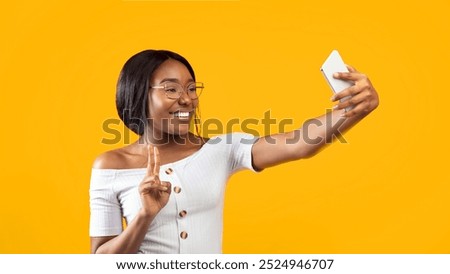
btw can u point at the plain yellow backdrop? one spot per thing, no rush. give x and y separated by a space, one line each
386 191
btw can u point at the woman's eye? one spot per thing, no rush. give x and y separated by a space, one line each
171 90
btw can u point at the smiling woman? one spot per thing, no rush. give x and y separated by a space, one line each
180 210
135 82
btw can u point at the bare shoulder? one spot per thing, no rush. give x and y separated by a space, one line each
113 159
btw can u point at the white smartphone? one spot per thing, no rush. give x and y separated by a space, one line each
334 63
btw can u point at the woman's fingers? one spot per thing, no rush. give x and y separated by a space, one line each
152 183
153 161
154 193
155 185
157 162
168 185
361 83
357 98
349 76
360 108
150 160
351 91
361 96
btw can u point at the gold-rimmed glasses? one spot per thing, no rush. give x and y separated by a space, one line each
174 90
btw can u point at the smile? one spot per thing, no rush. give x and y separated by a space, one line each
181 114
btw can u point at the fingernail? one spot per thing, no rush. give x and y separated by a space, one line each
335 107
333 98
335 75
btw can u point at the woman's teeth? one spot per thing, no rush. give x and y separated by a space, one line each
181 114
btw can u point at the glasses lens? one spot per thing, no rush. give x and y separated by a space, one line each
194 90
174 90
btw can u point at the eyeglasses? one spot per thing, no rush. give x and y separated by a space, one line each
174 90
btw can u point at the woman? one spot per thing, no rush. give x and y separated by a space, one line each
179 210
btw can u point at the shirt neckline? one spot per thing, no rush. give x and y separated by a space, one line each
139 169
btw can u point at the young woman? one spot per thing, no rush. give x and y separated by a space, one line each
169 185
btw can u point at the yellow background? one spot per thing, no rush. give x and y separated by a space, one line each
387 191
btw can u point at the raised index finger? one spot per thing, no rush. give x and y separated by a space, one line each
150 160
157 162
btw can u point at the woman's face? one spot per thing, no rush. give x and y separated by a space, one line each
167 115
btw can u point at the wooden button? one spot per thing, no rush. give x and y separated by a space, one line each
183 235
177 189
169 171
183 213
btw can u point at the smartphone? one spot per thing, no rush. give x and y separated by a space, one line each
334 63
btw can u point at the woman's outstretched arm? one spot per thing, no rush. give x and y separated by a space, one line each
315 133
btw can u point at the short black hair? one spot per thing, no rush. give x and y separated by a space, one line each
134 84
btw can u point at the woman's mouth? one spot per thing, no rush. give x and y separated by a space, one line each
181 114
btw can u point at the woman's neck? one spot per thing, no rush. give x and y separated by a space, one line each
170 140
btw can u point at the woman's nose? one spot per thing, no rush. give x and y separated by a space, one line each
184 98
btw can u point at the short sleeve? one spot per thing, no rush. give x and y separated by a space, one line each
106 214
241 151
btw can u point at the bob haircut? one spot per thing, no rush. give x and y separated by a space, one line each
134 84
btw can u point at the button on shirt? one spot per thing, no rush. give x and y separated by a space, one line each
192 220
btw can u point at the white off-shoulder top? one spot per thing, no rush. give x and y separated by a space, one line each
192 220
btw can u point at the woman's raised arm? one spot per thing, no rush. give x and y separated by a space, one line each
154 196
317 132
